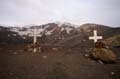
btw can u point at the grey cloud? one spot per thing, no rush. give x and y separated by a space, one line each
74 11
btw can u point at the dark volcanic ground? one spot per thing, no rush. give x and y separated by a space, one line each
16 63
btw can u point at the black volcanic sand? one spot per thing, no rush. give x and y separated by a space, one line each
16 63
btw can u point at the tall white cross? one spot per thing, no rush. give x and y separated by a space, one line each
35 35
95 37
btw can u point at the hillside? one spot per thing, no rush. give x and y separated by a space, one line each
62 53
86 30
65 34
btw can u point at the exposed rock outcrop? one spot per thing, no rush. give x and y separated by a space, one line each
100 52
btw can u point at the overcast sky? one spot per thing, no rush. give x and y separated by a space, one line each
26 12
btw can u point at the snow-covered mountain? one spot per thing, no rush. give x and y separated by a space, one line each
58 33
52 31
47 29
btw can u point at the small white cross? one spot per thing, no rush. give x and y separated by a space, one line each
95 37
35 35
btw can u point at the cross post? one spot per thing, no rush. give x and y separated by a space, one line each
95 37
35 35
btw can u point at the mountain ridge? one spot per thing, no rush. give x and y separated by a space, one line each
63 34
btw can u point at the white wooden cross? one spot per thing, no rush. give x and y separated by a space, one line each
95 37
35 35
